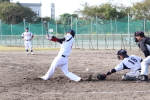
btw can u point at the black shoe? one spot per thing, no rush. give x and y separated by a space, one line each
143 78
38 79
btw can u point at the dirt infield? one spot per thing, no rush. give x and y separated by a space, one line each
18 73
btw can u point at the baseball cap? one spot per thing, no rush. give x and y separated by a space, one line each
139 33
27 28
72 32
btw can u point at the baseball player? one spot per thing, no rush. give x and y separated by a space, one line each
144 44
27 37
132 63
62 58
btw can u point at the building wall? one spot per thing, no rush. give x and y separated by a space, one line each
36 7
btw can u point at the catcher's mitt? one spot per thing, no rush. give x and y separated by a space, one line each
101 76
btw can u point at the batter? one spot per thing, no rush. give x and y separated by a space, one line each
62 58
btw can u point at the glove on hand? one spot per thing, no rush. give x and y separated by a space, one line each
101 76
49 36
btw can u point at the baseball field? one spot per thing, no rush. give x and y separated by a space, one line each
19 72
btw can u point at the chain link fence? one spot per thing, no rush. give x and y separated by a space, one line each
90 34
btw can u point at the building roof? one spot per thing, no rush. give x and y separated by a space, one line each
31 4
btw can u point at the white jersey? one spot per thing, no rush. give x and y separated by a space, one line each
66 46
131 63
27 35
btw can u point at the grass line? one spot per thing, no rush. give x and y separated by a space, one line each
21 48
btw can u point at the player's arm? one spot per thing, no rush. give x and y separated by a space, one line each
22 36
31 37
143 47
119 67
55 39
111 71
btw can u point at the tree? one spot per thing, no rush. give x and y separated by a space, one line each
141 10
74 15
12 13
65 18
104 11
1 1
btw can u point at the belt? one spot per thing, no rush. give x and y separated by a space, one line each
63 55
139 70
27 40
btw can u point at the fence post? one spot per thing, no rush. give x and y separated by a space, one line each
24 22
76 31
144 25
96 32
129 31
56 32
42 32
71 22
1 31
10 32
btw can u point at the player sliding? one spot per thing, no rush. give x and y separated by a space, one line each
62 58
132 63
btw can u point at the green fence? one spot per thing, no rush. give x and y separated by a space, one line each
90 34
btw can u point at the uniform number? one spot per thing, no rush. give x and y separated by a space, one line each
132 60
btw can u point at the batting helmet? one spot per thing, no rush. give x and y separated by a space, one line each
72 32
139 33
122 52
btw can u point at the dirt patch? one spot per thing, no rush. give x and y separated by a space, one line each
19 72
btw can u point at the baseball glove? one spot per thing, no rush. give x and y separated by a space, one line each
101 76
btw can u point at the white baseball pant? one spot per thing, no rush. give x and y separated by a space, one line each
144 66
134 73
61 62
28 44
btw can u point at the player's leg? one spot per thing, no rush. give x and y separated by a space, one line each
52 68
70 75
131 76
30 46
144 68
26 46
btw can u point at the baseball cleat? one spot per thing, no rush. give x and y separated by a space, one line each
42 78
32 53
38 78
27 53
143 78
79 80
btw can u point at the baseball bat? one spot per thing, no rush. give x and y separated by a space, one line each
46 27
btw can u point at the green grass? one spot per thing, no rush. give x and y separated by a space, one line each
17 48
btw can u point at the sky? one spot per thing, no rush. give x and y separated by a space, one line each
69 6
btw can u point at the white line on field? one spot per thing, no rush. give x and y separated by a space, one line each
99 92
80 93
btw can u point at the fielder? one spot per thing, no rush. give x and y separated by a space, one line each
132 63
62 58
27 37
144 45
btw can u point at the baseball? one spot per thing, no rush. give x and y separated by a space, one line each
87 69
